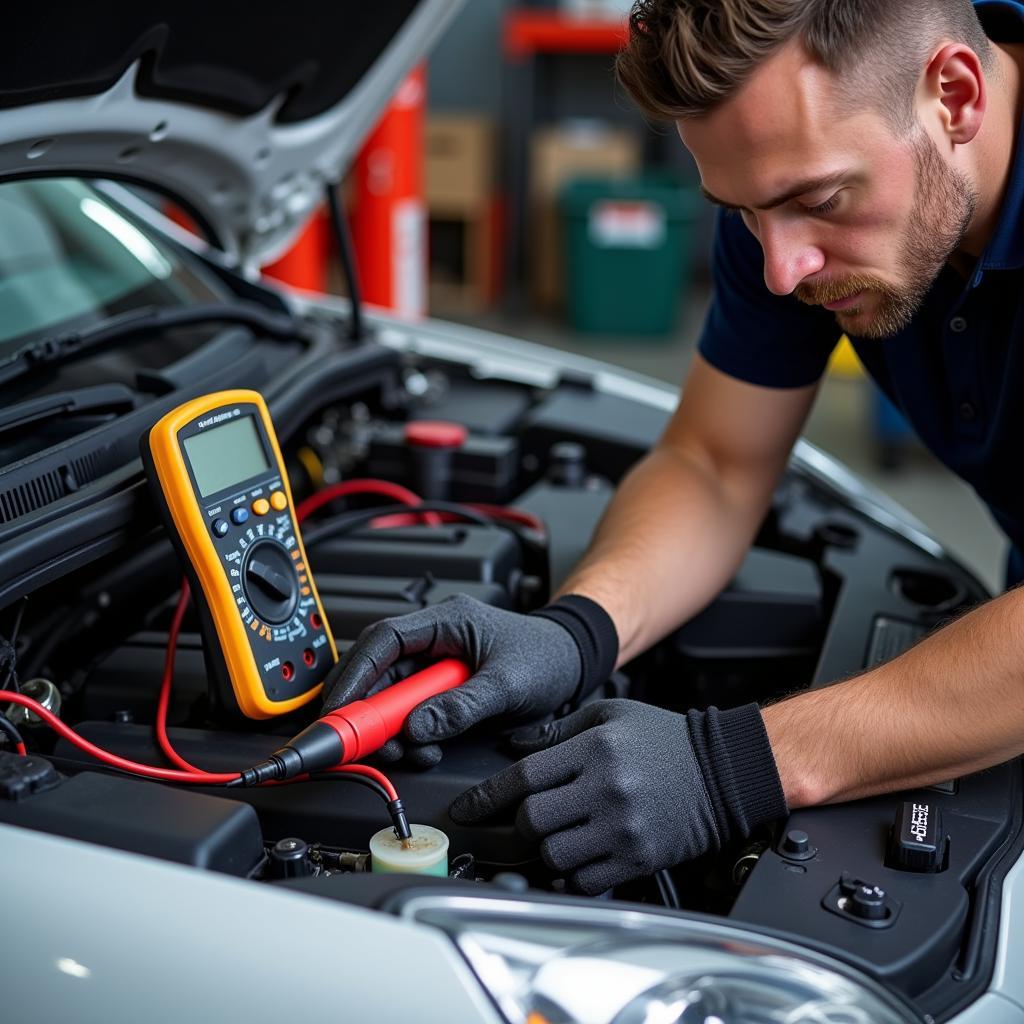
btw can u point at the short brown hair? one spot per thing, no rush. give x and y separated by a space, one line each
686 57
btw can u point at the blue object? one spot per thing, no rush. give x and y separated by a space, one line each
957 371
239 515
219 527
891 426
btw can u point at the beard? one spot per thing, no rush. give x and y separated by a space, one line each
944 205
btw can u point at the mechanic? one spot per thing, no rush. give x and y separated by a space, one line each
864 152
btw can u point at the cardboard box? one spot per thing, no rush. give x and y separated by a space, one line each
557 155
461 191
459 163
465 260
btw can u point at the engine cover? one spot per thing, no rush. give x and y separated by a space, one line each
334 813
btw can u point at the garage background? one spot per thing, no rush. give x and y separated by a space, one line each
553 212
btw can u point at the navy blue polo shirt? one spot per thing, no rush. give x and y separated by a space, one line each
956 372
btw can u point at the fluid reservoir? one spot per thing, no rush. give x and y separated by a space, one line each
426 853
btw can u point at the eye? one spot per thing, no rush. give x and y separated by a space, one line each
824 208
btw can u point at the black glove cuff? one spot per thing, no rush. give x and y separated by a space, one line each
595 635
739 768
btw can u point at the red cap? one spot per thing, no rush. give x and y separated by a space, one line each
435 434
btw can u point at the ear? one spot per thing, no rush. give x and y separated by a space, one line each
956 92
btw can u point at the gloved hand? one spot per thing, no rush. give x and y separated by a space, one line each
620 789
524 666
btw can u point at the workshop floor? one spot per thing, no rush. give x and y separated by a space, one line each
840 424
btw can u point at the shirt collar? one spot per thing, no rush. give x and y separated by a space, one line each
1004 22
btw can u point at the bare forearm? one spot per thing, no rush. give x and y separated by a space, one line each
669 542
952 705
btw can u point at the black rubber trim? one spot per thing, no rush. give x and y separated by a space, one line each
972 974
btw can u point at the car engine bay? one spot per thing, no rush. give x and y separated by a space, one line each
88 582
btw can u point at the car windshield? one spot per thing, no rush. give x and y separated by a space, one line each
70 258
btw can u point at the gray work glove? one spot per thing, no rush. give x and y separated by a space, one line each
524 666
620 789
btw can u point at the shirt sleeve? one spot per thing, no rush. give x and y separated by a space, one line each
771 340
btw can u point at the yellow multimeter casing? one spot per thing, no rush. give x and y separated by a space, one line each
216 472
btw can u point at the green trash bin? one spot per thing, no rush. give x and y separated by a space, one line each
627 252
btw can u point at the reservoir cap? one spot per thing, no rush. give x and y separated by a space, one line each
917 841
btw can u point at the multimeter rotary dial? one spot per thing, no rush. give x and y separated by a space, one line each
269 581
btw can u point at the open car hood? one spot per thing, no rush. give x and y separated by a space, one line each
240 112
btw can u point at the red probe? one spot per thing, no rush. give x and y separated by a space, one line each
343 736
357 729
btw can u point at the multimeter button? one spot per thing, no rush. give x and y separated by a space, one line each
239 516
261 506
278 501
219 527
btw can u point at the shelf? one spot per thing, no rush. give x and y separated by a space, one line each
527 31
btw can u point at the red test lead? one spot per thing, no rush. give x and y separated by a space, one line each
358 729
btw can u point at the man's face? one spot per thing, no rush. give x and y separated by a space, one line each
850 215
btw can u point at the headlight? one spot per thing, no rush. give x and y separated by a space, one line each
547 963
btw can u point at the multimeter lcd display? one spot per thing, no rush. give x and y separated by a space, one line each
226 455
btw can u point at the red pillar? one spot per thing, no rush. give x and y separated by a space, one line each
304 265
389 224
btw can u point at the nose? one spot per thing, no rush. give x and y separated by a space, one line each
790 255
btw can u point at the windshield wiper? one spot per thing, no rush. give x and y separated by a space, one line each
101 399
141 322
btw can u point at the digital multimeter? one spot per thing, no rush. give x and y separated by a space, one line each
216 471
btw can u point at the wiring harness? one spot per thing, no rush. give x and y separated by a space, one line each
186 773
